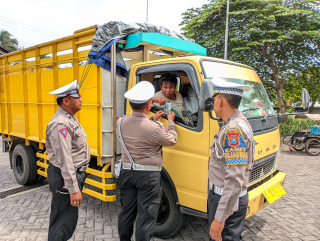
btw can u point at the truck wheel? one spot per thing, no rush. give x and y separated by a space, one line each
169 219
24 164
313 146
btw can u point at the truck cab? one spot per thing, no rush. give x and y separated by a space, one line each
185 165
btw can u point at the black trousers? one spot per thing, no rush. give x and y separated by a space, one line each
63 217
234 224
140 193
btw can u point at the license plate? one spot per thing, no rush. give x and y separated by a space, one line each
274 193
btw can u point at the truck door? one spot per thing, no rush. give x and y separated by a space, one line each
187 161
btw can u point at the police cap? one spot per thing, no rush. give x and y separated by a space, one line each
224 87
71 89
140 93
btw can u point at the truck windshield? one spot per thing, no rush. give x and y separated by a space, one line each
254 102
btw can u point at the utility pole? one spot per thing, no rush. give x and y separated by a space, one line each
147 9
227 30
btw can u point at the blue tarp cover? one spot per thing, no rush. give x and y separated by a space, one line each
113 32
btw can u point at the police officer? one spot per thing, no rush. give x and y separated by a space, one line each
69 156
140 177
232 155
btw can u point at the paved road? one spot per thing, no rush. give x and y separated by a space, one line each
295 217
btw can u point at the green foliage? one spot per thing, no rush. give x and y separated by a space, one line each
276 37
308 79
7 41
291 125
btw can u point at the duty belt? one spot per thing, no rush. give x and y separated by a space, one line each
219 190
134 166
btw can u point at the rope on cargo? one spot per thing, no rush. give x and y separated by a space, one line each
85 72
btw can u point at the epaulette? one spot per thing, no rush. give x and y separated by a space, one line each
64 118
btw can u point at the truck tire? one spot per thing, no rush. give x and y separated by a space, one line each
169 219
24 164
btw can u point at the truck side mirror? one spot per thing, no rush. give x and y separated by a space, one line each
206 102
279 118
206 92
305 99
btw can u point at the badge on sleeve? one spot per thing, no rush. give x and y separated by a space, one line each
165 129
236 149
64 132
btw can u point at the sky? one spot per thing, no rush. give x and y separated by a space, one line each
38 21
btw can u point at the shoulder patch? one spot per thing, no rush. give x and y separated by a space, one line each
236 149
64 132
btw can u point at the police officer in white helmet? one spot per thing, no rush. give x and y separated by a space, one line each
69 156
140 178
232 155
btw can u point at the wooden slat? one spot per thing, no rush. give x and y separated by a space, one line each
43 165
100 185
99 173
42 173
55 71
99 195
25 95
39 95
2 89
8 97
42 156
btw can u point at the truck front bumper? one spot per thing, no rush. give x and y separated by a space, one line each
257 201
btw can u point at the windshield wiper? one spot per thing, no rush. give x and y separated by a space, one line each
250 109
267 113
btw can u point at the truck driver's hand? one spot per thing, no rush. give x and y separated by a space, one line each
158 115
171 116
75 199
160 100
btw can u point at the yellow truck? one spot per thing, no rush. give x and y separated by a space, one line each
28 75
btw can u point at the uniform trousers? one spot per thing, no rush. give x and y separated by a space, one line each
234 224
63 217
140 193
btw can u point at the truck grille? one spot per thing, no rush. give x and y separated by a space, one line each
263 169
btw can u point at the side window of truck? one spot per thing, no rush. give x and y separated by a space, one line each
186 108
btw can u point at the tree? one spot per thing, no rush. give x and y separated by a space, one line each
7 40
276 37
308 79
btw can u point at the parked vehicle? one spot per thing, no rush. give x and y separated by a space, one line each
305 138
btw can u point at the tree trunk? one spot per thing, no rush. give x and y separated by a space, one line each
276 78
280 96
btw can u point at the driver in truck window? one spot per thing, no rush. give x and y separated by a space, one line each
168 84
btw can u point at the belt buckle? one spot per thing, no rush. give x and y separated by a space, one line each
133 166
83 168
